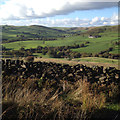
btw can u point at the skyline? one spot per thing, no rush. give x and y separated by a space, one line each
64 13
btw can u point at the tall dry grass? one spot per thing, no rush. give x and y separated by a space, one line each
76 102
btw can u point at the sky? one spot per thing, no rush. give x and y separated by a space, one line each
59 13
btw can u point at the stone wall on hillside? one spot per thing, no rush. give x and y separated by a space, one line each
57 71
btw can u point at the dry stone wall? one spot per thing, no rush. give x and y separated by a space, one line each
56 71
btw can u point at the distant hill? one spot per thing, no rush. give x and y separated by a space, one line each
37 32
89 30
102 30
74 30
13 33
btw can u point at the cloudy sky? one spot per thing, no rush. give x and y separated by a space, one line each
59 13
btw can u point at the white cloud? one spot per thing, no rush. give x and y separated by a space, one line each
32 9
102 18
114 17
112 23
53 21
77 19
105 23
95 19
66 22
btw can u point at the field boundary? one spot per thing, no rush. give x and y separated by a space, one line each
65 61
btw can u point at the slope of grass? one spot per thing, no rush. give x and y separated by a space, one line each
97 59
116 50
26 44
34 31
97 44
34 44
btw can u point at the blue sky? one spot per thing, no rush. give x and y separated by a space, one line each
58 13
89 14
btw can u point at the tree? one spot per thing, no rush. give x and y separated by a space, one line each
82 45
22 48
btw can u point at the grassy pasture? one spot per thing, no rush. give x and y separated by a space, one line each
26 44
33 44
96 44
116 50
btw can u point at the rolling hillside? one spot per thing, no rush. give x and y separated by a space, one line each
109 35
75 30
107 43
15 33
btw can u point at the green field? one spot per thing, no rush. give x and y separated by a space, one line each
96 44
26 44
33 44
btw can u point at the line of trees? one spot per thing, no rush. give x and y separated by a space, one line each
60 52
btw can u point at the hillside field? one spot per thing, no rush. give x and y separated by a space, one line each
95 44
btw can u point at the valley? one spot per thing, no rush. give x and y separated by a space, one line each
59 73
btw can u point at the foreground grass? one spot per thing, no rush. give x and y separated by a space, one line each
24 99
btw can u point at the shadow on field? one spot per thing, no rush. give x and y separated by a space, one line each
106 114
10 111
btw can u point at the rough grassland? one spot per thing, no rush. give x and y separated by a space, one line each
95 61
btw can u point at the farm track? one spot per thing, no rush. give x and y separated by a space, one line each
77 62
